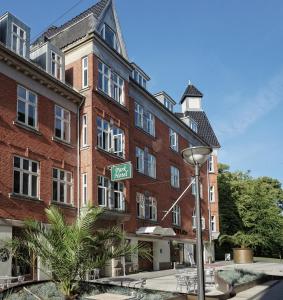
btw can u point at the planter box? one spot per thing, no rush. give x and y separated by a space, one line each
242 255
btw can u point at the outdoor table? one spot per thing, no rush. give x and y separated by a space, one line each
109 296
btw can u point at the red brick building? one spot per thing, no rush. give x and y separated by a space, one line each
119 121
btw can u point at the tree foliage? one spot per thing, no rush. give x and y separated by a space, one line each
250 213
69 251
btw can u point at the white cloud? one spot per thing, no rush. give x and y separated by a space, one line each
247 110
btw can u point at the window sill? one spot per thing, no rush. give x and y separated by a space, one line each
174 151
24 197
57 140
86 147
145 132
67 205
84 89
145 175
110 154
112 100
148 220
177 188
26 127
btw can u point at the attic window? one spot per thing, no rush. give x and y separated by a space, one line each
168 104
56 65
139 78
110 37
18 40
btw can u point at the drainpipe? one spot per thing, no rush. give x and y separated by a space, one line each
78 158
209 211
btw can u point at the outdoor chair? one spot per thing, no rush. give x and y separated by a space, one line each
182 281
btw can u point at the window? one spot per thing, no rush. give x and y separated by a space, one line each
211 164
144 119
110 83
84 130
84 72
213 224
136 75
18 40
26 107
194 221
56 65
140 160
138 115
211 194
110 37
62 186
151 165
84 188
110 138
103 187
111 194
168 104
145 162
140 205
177 215
62 123
175 177
117 88
192 124
173 137
26 174
146 207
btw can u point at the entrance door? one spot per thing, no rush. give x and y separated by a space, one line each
145 264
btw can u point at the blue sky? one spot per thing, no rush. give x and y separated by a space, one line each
231 50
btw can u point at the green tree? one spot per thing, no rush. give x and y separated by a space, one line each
69 251
250 210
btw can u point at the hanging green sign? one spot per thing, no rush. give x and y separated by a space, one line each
122 171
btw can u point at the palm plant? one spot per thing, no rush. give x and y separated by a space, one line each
69 251
242 239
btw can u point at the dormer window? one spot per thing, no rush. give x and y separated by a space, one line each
139 78
18 40
110 38
168 104
56 65
191 123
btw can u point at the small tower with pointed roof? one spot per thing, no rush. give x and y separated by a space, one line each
191 99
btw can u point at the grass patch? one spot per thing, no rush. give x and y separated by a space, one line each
239 276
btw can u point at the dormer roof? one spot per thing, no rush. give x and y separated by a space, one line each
191 91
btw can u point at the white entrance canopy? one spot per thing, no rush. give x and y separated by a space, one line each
155 230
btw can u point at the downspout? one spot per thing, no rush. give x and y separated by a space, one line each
209 209
78 158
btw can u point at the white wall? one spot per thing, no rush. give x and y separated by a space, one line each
161 253
5 235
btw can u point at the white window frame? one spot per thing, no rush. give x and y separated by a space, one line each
104 186
85 72
63 121
56 65
84 189
19 40
213 223
110 138
84 131
211 194
117 88
173 140
116 45
194 221
152 207
27 102
150 123
119 193
28 172
140 200
211 164
151 165
168 104
67 184
176 218
140 160
175 177
139 115
105 73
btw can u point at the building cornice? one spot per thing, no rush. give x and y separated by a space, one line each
36 73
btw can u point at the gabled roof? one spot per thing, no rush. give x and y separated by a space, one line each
205 130
191 91
96 10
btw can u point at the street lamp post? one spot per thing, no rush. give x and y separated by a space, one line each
197 156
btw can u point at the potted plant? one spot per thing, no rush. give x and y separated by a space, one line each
244 242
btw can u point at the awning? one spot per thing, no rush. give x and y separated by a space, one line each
155 230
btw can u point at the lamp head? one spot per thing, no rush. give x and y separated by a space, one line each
196 155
